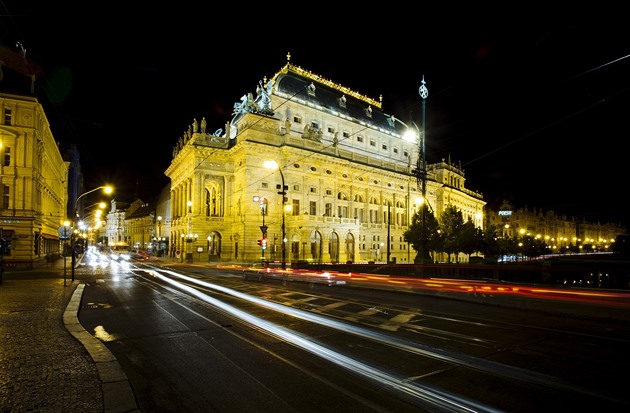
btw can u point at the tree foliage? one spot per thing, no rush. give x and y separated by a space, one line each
423 234
452 236
451 227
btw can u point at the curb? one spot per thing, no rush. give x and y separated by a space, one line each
118 396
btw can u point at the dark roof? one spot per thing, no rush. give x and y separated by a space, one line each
301 84
142 212
17 72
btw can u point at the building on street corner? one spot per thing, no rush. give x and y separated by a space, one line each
33 174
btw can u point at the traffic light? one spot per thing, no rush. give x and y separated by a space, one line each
259 242
264 243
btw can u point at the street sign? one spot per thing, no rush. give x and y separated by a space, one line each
64 232
263 228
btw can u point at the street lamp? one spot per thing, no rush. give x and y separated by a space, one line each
262 205
421 170
424 93
108 190
190 237
159 235
282 191
95 220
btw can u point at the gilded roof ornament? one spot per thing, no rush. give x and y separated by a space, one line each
314 77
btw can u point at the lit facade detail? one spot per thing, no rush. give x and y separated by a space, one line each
348 171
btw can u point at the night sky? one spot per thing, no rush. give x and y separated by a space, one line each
533 108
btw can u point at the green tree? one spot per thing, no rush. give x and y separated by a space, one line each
451 225
490 243
532 247
470 238
423 234
507 246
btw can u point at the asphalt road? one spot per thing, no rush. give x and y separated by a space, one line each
217 343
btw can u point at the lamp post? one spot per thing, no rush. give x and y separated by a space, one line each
282 191
66 225
262 205
159 236
190 237
422 168
107 190
93 229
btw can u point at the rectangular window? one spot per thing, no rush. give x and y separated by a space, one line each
7 156
264 185
296 207
8 116
372 143
328 211
395 150
359 138
5 197
315 125
331 129
346 135
313 190
297 119
384 147
312 210
328 192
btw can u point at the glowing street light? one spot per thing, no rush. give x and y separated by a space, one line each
108 190
282 191
190 238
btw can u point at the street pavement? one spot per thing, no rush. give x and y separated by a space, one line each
48 362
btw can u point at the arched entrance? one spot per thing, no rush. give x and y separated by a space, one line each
349 247
214 246
316 246
334 247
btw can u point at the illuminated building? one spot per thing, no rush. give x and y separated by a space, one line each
33 174
348 175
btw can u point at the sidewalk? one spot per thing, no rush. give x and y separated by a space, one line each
48 362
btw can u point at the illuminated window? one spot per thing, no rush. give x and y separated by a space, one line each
296 207
8 116
7 156
5 197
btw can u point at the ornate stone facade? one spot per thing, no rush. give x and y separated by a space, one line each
33 183
346 165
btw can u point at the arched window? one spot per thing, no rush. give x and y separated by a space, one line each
333 247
